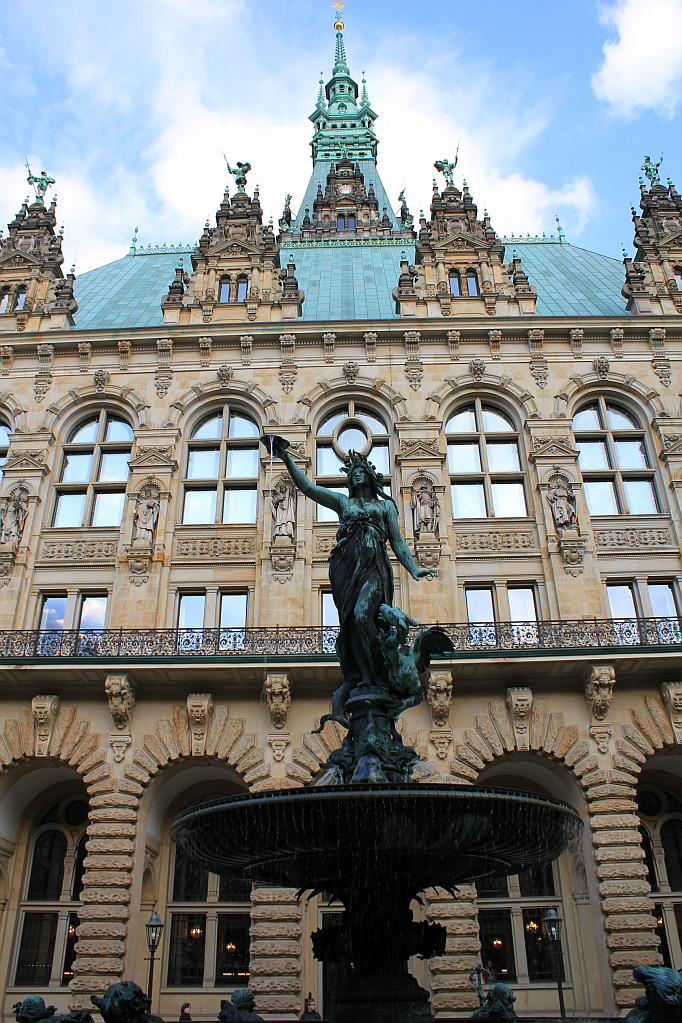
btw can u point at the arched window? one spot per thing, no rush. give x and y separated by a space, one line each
4 444
677 272
49 909
455 283
660 811
242 286
94 472
472 284
614 461
348 427
486 475
222 469
4 300
224 289
19 300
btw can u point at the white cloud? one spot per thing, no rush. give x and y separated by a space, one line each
643 67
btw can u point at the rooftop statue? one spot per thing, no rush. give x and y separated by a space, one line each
380 671
651 170
447 169
40 184
239 173
662 1001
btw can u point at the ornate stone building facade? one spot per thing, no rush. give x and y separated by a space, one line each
167 630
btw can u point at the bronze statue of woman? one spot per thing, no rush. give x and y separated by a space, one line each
360 573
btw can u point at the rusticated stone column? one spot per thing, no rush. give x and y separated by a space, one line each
275 961
450 985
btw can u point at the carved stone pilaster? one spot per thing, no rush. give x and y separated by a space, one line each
278 696
121 699
599 690
671 694
616 335
7 354
164 373
494 340
124 349
44 710
439 696
453 337
577 336
246 343
199 713
520 705
329 342
84 349
205 344
370 339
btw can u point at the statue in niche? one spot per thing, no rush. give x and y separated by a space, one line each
13 518
561 500
425 512
146 515
284 509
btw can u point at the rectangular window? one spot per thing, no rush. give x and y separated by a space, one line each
639 495
204 464
93 612
592 455
497 945
232 954
379 457
631 454
468 501
330 623
233 611
678 916
114 467
199 507
340 224
242 463
464 458
503 457
36 950
523 614
621 601
481 617
70 951
191 615
186 953
52 614
239 505
663 948
539 949
109 508
600 497
326 514
76 468
190 881
665 612
328 462
493 887
351 223
69 511
472 285
537 880
509 500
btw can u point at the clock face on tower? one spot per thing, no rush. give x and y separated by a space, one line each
345 189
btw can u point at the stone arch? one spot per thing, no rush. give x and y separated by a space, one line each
493 382
68 739
339 386
578 384
14 411
76 397
260 402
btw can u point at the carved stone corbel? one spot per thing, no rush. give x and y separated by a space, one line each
279 742
441 739
520 705
671 694
278 696
599 690
601 735
119 744
121 699
199 712
44 710
439 696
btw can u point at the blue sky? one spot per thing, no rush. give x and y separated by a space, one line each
129 104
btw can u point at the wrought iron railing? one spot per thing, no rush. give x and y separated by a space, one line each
467 639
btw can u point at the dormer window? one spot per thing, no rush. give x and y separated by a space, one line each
455 285
472 284
20 299
242 285
4 300
224 290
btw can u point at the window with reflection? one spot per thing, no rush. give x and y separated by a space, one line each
484 461
204 943
4 300
455 283
4 443
20 300
224 289
617 472
49 907
677 275
242 288
94 473
481 616
351 427
221 469
660 814
523 614
472 284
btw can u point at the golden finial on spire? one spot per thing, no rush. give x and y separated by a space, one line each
338 6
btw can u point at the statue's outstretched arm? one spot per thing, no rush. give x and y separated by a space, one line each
321 495
399 546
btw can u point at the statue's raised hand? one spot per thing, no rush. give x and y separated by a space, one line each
274 445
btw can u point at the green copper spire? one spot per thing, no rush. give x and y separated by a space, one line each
344 128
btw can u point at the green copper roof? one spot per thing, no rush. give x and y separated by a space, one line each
350 281
343 127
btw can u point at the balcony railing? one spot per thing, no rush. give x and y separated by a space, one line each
480 640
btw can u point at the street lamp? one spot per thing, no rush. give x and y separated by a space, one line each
154 932
553 924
